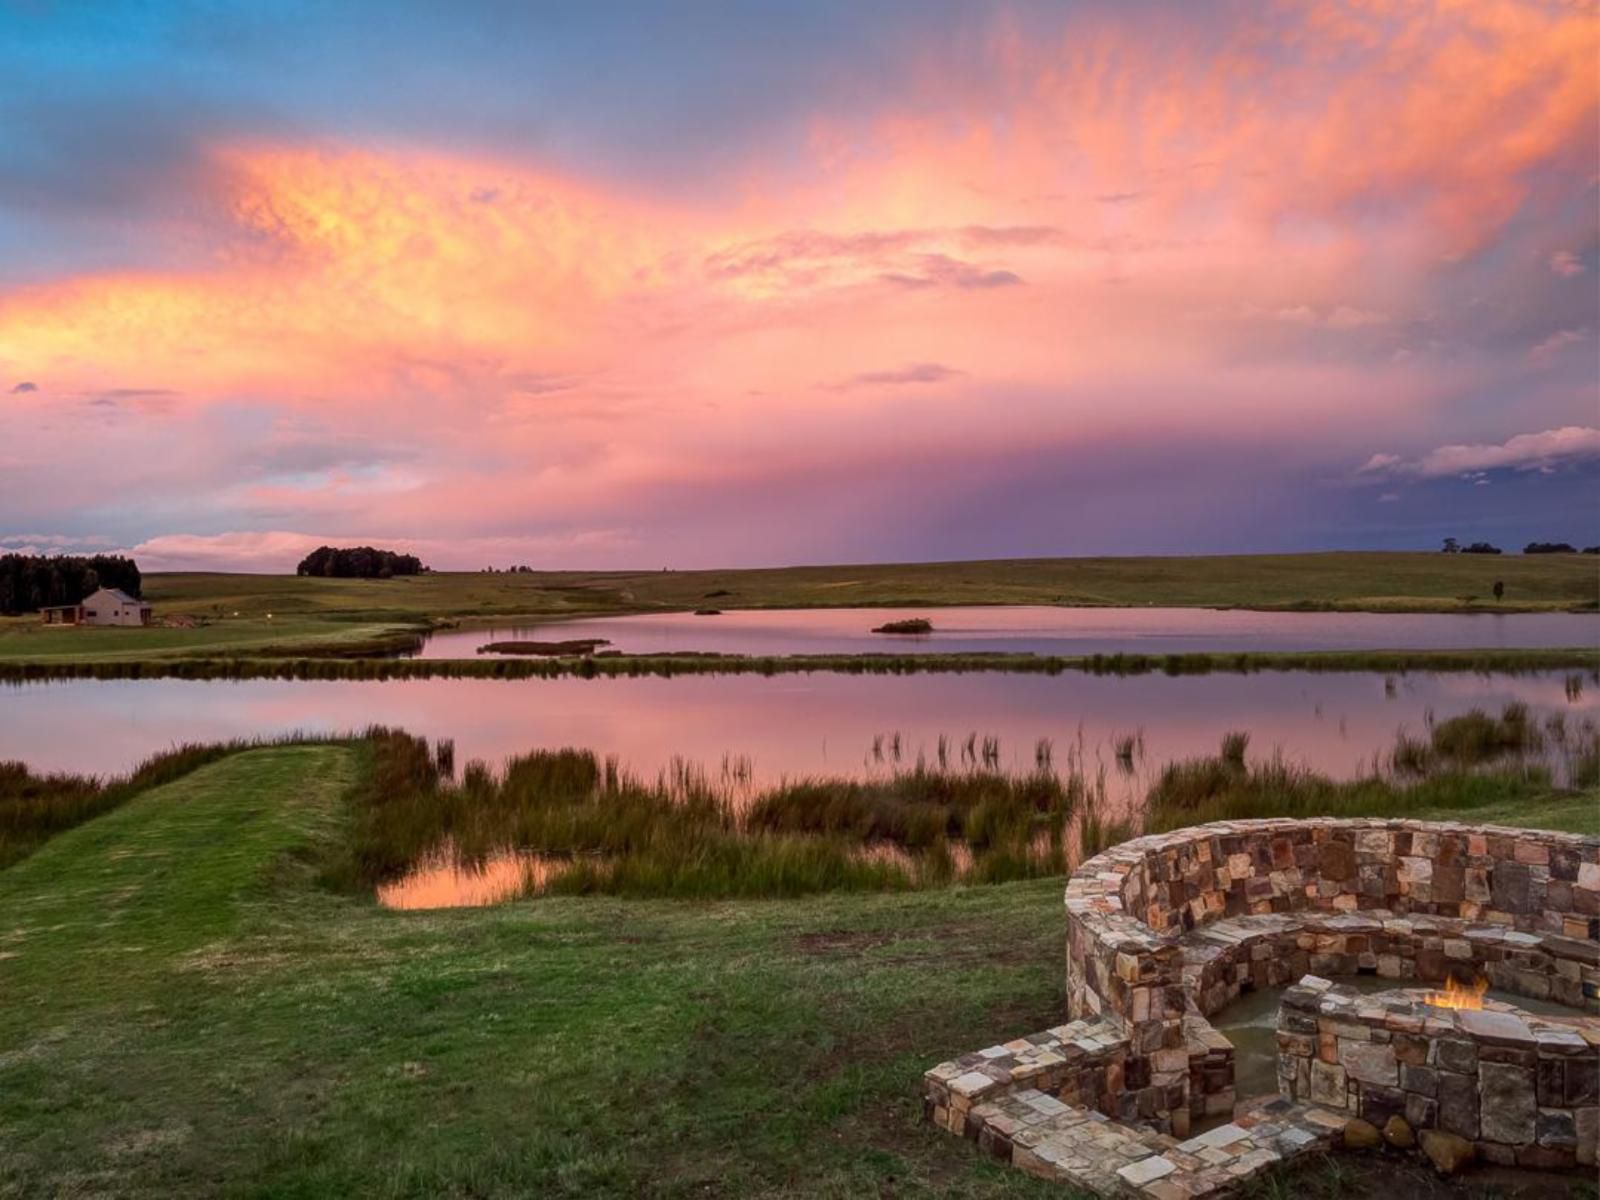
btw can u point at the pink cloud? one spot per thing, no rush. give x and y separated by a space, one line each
1525 452
1566 264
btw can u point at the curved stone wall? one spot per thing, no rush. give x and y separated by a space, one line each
1165 929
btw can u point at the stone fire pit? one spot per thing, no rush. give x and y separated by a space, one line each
1166 930
1524 1089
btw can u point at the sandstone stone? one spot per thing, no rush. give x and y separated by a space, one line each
1338 861
1447 1152
1327 1084
1397 1132
1370 1062
1507 1103
1509 887
1361 1135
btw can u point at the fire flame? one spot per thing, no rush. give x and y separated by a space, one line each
1459 995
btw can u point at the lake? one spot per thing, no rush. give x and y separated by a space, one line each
763 728
1040 629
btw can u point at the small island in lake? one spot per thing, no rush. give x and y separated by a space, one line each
549 649
911 625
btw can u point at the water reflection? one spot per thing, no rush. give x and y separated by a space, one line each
764 729
1041 629
441 881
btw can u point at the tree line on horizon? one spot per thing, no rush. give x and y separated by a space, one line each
358 562
29 582
1454 546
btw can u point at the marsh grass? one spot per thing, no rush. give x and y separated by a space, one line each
686 834
1470 761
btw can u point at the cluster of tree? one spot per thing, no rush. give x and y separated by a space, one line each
358 562
519 570
29 582
1451 546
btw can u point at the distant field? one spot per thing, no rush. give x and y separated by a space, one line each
1352 581
251 615
25 638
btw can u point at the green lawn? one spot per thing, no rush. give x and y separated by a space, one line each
25 638
187 1013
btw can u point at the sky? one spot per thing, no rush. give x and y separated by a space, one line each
711 283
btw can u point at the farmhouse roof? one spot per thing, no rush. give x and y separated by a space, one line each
117 595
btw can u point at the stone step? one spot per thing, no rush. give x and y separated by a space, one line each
1087 1150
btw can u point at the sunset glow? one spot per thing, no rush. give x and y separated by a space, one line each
941 281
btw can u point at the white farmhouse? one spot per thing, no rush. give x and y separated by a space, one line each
113 606
108 606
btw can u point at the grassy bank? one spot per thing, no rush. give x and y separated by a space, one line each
1581 661
24 638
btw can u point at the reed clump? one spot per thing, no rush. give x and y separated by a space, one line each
686 834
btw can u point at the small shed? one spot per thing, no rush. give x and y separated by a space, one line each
113 606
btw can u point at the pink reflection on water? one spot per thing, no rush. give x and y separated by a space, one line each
1038 629
439 881
785 726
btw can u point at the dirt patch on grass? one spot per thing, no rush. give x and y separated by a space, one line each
828 943
956 945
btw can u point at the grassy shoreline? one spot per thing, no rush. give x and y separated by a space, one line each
1584 660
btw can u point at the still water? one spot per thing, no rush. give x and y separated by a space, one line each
1043 629
767 728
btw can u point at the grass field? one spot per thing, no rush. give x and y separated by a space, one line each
188 1014
1364 581
251 615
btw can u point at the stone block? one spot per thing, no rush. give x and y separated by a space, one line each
1557 1128
1424 1081
1328 1084
1587 1122
1508 1104
1421 1112
1551 1076
1369 1062
1458 1104
1583 1081
1454 1054
1338 861
1509 888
